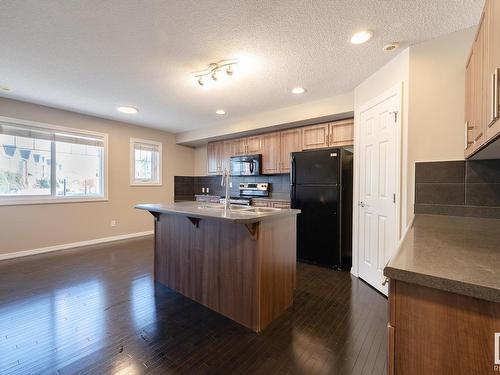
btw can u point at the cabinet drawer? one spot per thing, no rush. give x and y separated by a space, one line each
260 203
280 204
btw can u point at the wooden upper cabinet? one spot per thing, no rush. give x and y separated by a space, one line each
341 133
492 14
271 153
215 157
249 145
315 136
254 145
230 149
482 81
290 141
469 101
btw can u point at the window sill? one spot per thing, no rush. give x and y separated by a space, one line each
31 201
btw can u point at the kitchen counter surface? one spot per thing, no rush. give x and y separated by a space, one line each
451 253
204 210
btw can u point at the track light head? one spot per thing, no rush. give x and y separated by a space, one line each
229 71
214 75
200 81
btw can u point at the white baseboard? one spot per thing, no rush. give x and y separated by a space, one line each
72 245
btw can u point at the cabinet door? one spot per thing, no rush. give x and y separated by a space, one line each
478 82
469 102
291 141
254 145
260 203
280 204
315 136
212 167
341 133
215 152
271 153
240 146
493 74
230 149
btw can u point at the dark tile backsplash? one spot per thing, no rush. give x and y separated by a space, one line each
185 187
464 188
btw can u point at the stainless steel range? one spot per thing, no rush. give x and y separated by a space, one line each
249 190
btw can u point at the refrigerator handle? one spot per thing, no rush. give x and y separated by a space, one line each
292 171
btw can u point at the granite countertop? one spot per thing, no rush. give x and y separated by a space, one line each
451 253
205 210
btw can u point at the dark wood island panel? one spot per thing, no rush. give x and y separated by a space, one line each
243 271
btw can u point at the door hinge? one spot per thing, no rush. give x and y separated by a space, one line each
395 113
394 198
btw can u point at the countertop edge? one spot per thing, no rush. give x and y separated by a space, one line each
444 284
250 220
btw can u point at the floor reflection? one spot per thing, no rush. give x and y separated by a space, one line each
100 312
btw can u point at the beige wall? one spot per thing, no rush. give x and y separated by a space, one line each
33 226
437 97
260 121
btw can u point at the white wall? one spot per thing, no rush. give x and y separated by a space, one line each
437 101
260 121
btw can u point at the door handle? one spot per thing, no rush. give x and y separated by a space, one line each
362 204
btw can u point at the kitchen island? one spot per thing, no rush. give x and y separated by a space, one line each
239 262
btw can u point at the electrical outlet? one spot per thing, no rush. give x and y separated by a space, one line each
207 190
231 184
202 189
114 223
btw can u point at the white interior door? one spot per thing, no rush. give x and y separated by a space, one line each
377 226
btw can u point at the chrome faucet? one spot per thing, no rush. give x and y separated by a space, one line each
226 177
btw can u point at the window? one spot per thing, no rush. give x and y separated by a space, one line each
145 162
42 163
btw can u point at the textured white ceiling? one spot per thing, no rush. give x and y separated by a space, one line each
91 55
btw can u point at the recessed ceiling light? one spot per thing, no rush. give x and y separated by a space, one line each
127 110
391 46
361 37
220 112
298 90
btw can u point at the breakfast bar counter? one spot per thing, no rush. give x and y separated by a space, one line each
240 262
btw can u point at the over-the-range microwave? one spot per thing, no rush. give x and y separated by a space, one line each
248 165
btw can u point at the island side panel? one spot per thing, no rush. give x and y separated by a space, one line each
278 262
214 264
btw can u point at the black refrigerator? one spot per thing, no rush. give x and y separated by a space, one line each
321 186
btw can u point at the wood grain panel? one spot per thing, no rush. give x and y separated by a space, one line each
342 133
291 141
249 279
315 136
271 154
438 332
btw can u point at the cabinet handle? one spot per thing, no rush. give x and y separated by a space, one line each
496 102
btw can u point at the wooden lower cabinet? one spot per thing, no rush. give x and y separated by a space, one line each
431 331
269 202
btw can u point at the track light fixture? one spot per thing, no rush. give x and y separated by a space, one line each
213 70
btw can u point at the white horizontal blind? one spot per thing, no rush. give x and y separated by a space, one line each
26 131
146 162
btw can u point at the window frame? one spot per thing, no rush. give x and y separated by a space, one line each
133 180
14 200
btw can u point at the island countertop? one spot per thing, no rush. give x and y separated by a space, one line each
204 210
451 253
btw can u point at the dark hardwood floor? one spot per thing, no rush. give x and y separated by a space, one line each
98 311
